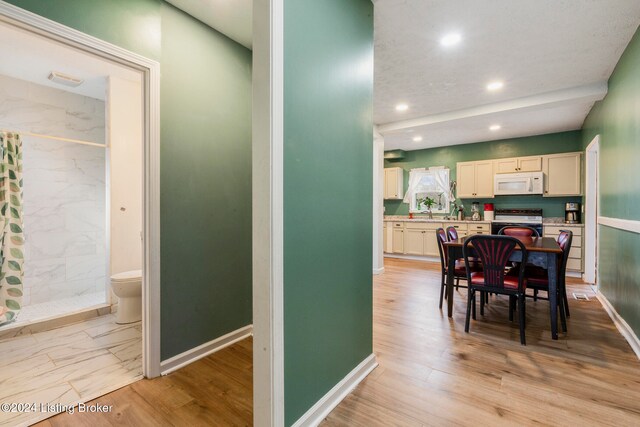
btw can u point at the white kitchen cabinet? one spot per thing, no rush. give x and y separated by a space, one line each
474 179
414 241
393 183
398 241
562 174
518 164
575 261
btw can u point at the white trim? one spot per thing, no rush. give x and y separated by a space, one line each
16 16
185 358
329 401
621 224
427 258
268 212
620 323
377 271
378 201
592 207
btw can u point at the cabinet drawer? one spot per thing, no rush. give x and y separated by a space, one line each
575 243
398 224
575 252
461 228
479 227
574 264
555 230
416 225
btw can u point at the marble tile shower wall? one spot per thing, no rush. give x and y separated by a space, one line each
64 189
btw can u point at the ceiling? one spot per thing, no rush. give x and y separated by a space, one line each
33 57
554 57
232 18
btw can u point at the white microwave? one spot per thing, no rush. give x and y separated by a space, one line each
518 183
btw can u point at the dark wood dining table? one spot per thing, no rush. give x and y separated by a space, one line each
542 252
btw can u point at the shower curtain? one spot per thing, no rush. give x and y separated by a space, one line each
11 235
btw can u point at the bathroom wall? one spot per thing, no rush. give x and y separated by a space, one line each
63 189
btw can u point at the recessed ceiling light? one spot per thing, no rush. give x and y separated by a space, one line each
451 39
495 127
495 85
402 107
417 138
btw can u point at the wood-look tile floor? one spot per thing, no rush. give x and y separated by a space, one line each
431 372
67 364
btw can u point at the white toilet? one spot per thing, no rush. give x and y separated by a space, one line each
127 286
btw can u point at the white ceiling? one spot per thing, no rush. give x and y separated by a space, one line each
545 51
33 57
232 18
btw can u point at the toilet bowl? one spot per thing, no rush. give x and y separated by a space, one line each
127 286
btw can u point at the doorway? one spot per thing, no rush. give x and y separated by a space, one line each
592 211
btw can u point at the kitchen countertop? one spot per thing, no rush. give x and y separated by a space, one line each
392 218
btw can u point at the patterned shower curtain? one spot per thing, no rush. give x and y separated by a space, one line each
11 235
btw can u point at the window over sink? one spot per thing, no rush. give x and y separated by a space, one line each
428 185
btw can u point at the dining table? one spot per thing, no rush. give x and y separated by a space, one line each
542 252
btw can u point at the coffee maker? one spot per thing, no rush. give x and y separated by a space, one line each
572 213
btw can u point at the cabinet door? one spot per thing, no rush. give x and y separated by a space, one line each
562 174
390 184
431 244
484 179
466 180
530 164
506 165
398 241
414 241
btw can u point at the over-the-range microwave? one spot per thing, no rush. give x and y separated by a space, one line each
518 183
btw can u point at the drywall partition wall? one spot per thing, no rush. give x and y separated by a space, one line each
562 142
64 197
328 158
206 183
617 120
205 159
124 124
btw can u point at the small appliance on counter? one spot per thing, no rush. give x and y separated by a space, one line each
488 211
517 218
475 211
572 213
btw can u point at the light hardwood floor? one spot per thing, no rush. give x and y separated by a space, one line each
431 372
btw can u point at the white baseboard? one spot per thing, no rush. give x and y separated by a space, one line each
575 274
196 353
377 271
413 257
620 323
325 405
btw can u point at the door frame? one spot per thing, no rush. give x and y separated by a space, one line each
592 210
150 69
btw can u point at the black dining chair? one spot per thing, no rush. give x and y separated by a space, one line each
460 269
538 278
494 253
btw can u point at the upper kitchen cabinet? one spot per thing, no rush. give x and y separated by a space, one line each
475 179
518 164
393 183
562 174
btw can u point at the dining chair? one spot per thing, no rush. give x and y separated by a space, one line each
538 279
494 253
460 269
519 231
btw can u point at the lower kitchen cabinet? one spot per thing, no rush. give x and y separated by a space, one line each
575 261
398 241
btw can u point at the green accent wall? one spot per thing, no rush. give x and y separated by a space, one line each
617 120
205 159
328 161
562 142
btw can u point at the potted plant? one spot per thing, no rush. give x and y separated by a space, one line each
428 202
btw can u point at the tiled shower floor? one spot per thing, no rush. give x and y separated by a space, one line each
66 365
